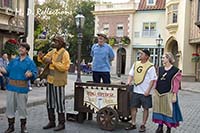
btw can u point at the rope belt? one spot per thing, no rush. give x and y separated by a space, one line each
18 83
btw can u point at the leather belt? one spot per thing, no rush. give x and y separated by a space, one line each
18 83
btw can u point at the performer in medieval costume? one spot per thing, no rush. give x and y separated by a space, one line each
165 106
19 72
59 61
143 75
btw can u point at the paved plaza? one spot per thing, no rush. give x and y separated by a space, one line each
37 116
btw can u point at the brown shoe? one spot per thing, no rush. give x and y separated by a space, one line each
131 127
142 128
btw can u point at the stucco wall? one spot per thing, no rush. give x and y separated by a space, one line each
150 16
182 37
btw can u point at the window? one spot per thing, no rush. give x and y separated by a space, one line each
120 30
154 55
172 13
6 3
106 28
151 2
149 29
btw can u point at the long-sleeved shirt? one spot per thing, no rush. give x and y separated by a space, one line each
176 83
16 70
62 66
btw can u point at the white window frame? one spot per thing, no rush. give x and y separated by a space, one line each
153 55
149 32
106 28
151 2
120 30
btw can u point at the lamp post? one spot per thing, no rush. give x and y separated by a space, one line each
80 19
159 41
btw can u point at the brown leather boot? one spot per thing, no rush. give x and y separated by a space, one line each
11 128
23 126
51 116
61 122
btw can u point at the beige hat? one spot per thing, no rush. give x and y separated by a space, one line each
103 34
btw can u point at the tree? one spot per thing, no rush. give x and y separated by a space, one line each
88 31
65 24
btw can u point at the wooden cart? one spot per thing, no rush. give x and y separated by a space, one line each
107 117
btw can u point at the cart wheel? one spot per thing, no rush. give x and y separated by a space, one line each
125 119
107 118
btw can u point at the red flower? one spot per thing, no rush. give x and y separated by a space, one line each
13 41
195 54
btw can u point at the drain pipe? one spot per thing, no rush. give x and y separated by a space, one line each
23 38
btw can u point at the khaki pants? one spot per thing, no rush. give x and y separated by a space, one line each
16 102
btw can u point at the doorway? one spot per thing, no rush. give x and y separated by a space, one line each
121 61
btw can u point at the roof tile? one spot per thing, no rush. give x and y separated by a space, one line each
160 5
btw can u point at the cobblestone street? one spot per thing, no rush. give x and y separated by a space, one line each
189 103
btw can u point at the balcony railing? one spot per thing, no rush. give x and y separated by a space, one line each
115 6
149 33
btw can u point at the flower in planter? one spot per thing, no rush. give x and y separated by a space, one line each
195 57
112 41
125 40
11 47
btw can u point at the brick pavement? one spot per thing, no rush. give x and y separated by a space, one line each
37 96
189 103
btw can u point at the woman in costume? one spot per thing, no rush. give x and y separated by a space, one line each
165 104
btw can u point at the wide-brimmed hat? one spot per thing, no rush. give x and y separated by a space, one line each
59 39
103 34
146 51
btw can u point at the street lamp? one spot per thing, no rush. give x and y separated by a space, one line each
80 19
159 41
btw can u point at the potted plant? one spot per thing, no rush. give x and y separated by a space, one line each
11 48
195 57
125 40
112 41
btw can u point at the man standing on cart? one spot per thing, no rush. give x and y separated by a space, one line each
143 75
102 55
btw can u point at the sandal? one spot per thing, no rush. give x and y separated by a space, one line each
142 128
131 127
